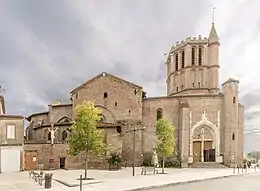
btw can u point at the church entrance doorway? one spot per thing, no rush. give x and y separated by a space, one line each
208 152
197 151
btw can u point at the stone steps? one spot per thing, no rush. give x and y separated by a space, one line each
207 165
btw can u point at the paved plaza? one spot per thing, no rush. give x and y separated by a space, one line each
111 180
248 182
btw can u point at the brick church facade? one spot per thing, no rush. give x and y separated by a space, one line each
209 122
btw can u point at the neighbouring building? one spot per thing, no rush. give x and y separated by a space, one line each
209 122
11 140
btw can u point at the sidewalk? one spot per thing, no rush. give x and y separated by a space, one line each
113 180
155 181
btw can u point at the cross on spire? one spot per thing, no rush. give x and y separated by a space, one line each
213 15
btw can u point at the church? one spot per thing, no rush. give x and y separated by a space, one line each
209 123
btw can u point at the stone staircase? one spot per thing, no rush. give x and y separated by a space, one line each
207 165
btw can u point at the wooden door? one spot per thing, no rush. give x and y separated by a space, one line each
209 153
30 160
207 145
197 151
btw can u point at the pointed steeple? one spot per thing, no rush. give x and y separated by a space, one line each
213 36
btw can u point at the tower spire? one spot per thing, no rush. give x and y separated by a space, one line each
213 36
213 15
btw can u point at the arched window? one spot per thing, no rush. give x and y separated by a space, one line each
193 56
176 62
182 59
200 55
234 99
118 129
49 136
105 95
159 114
64 135
233 136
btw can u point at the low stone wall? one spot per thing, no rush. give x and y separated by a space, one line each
43 157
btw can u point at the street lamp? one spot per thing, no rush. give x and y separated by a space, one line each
134 130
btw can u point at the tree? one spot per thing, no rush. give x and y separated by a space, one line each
165 139
84 136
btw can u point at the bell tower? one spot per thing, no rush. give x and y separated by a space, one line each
193 65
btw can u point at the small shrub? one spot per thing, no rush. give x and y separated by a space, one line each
115 158
147 159
171 162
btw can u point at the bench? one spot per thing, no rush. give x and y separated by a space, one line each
149 169
30 173
38 177
41 178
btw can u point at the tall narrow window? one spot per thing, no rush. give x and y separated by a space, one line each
233 136
234 99
64 135
193 56
159 114
10 132
105 95
200 55
176 62
182 59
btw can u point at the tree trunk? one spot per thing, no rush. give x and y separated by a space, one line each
86 166
163 165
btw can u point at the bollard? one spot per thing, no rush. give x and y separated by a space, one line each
48 180
80 183
234 169
238 169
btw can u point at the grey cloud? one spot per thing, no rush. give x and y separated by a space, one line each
250 99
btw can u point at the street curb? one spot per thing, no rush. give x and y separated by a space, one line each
187 182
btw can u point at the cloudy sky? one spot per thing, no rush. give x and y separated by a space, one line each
49 47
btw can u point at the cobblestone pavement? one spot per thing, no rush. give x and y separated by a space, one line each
249 182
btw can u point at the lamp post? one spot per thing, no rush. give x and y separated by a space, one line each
134 132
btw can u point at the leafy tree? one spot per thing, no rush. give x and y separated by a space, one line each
84 136
165 139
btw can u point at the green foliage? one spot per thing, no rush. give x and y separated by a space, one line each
84 134
165 138
114 158
147 160
171 162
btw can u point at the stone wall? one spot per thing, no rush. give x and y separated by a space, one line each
123 100
57 112
170 108
59 150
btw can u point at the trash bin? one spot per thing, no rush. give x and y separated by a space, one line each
48 180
